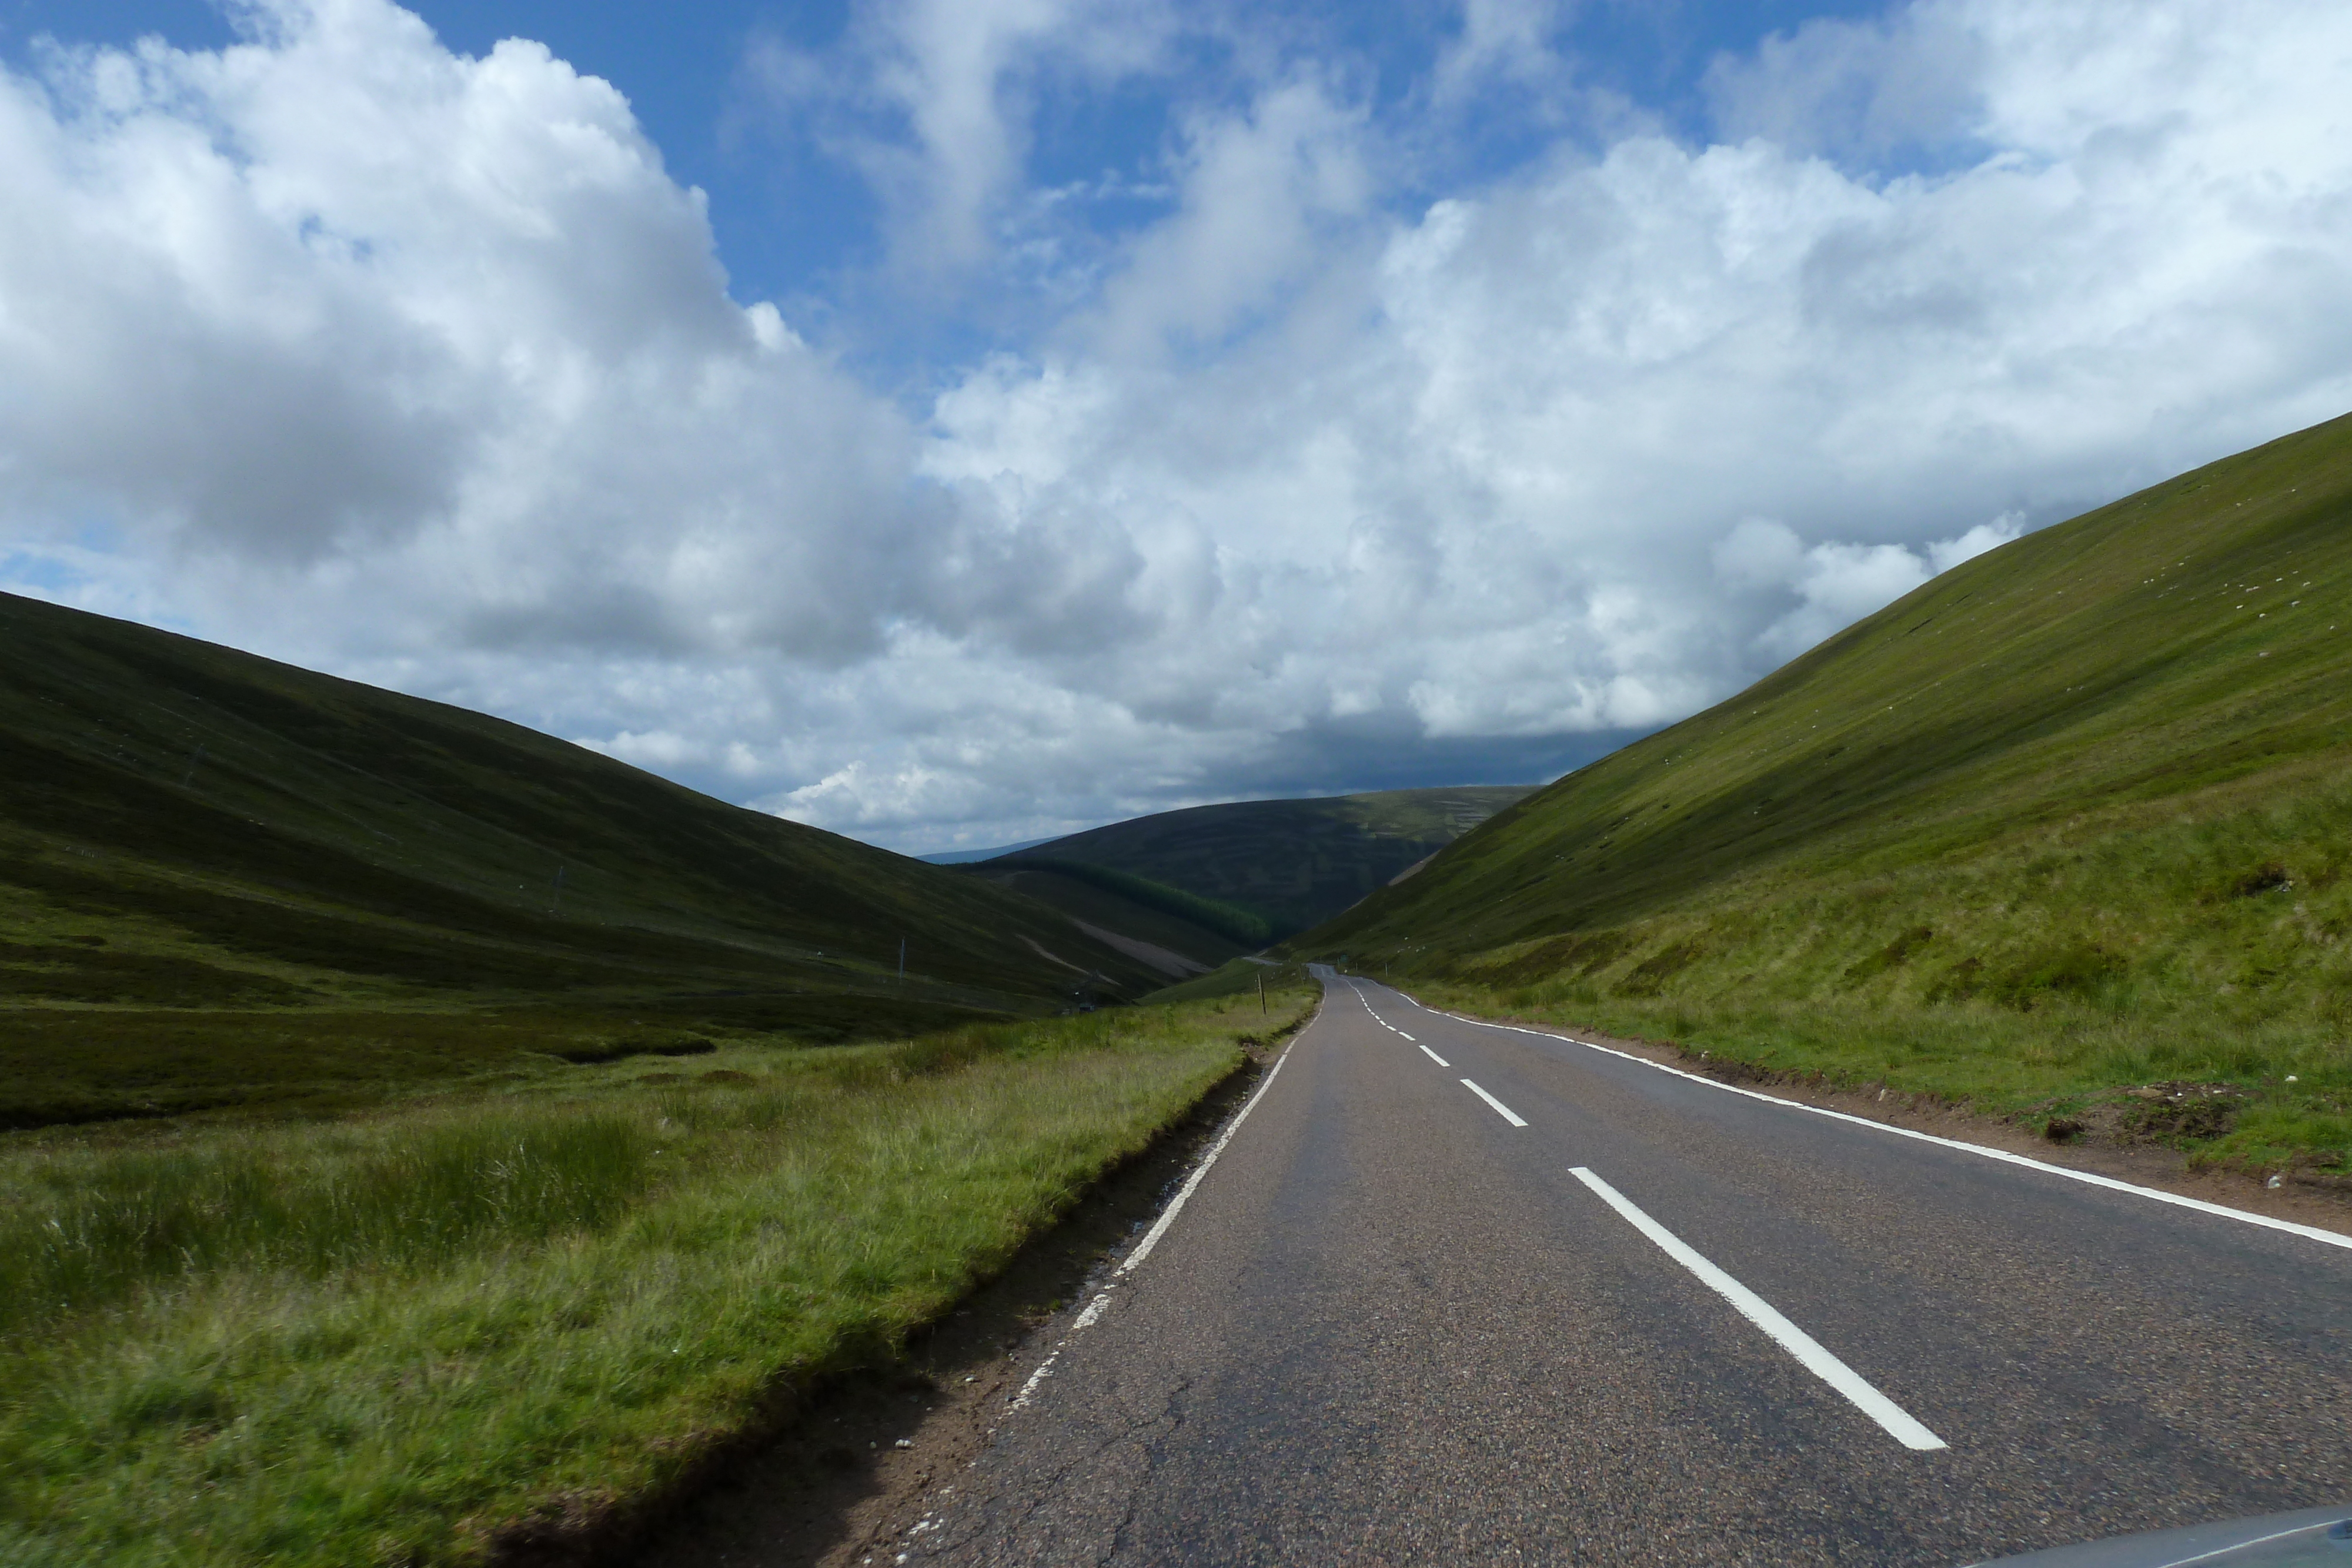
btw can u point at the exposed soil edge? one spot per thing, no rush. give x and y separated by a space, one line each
988 1325
2308 1197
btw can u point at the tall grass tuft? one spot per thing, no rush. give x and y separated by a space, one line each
95 1227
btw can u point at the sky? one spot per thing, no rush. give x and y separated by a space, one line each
958 422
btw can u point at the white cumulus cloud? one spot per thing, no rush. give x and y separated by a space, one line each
421 367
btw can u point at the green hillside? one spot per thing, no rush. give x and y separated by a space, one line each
223 878
2072 816
1288 862
1105 901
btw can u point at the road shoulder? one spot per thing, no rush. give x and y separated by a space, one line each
851 1475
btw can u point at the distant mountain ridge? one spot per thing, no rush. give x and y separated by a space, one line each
966 857
1266 869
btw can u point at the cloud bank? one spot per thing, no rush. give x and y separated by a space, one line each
1296 475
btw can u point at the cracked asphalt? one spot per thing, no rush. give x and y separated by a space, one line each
1391 1328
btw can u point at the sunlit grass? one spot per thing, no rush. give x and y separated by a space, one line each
2032 1067
2124 949
389 1338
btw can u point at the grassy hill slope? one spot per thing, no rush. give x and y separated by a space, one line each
1160 922
1289 862
218 874
2074 815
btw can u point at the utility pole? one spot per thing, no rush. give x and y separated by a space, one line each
902 960
558 890
1261 990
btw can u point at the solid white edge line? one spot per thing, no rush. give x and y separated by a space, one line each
1045 1370
1432 1055
2309 1232
1513 1117
2241 1545
1101 1303
1176 1205
1899 1422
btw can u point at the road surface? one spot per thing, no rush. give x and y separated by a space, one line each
1455 1293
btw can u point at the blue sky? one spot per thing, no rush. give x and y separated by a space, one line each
959 423
793 224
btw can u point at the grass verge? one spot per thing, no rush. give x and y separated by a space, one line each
2144 974
2257 1096
422 1335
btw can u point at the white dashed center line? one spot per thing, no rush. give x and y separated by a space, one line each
1508 1114
2091 1178
1432 1055
1897 1421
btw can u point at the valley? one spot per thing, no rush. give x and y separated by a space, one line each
1210 882
426 1140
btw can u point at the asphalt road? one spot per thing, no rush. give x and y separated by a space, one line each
1390 1327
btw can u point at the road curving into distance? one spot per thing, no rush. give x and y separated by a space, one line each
1456 1292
